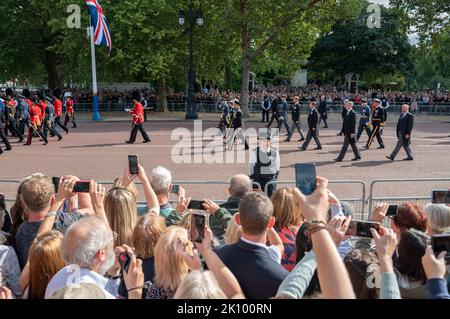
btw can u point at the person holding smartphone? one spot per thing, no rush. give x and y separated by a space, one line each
138 118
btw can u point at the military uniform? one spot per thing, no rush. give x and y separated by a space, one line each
282 117
238 129
364 121
35 124
3 136
275 108
378 117
11 119
224 117
70 113
296 124
138 118
49 121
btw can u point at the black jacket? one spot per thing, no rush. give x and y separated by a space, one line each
313 119
296 112
232 204
349 126
237 118
275 107
257 273
405 125
323 107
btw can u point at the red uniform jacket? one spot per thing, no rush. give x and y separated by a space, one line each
35 114
42 106
57 105
30 104
138 113
69 106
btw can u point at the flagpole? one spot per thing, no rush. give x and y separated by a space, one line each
95 113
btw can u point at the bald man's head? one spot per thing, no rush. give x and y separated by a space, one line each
239 185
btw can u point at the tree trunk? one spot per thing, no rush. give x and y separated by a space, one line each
245 59
228 75
52 72
161 99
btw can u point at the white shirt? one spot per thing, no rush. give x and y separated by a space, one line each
253 159
72 275
273 250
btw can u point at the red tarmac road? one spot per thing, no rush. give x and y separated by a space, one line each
98 151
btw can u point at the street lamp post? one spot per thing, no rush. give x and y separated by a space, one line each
194 17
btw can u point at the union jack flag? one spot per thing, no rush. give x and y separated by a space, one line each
98 21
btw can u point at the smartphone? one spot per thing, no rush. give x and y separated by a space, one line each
2 202
55 181
440 196
196 204
133 162
392 210
175 189
199 222
124 261
81 187
360 228
441 243
305 177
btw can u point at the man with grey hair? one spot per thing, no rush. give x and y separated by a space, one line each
161 182
239 185
88 251
349 130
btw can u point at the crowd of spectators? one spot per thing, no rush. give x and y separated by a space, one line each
71 245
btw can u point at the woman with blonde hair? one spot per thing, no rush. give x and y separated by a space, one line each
44 262
170 268
233 233
288 220
146 234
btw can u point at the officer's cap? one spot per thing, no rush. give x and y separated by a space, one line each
48 98
377 100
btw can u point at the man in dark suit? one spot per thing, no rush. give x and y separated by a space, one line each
250 260
349 131
323 111
275 108
343 114
404 127
296 123
313 119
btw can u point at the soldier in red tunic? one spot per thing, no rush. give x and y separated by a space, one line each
35 123
138 119
70 113
57 105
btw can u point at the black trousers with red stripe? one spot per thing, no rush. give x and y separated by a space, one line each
375 133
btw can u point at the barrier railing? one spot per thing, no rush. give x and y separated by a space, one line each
422 198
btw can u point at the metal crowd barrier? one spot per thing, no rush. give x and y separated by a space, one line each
422 199
358 203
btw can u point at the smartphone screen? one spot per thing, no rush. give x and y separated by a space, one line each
441 243
81 187
2 202
196 204
133 164
198 225
440 196
55 181
175 189
305 177
359 228
124 261
392 210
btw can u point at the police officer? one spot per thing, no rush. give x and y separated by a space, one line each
404 127
49 120
264 163
378 117
296 124
364 120
349 131
265 107
323 111
313 119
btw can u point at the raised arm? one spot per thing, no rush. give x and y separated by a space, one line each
150 195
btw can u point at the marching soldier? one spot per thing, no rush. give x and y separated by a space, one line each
349 131
323 111
313 119
3 136
35 124
58 107
275 108
364 120
282 115
378 116
264 163
223 117
138 118
23 110
404 127
296 124
49 120
70 113
238 126
10 112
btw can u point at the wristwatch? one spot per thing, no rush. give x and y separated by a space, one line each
51 214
